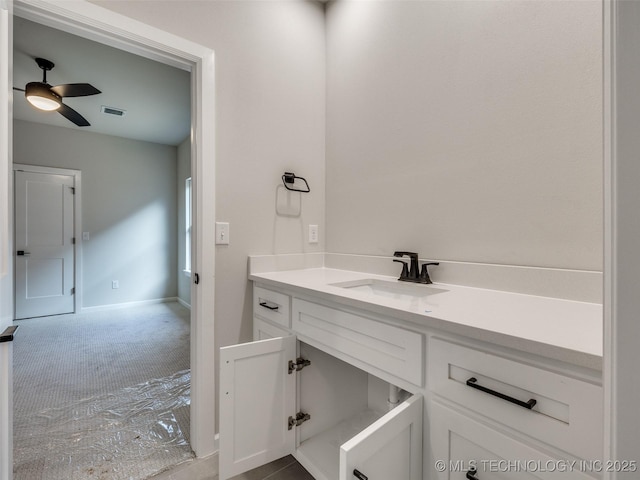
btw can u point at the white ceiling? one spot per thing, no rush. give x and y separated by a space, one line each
156 97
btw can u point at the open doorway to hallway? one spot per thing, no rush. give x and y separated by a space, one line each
129 339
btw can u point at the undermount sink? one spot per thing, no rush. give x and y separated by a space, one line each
394 290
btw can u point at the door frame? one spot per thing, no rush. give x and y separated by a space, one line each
77 224
102 25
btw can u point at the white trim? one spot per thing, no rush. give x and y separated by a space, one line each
609 107
139 303
91 21
185 305
203 166
77 222
6 240
6 137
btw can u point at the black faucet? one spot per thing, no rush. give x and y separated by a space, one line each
411 274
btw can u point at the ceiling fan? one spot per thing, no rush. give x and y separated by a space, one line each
45 97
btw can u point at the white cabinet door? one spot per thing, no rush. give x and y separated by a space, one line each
257 397
390 448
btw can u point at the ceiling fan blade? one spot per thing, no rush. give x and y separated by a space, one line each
75 90
70 114
18 89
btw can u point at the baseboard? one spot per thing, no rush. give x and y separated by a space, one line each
140 303
183 303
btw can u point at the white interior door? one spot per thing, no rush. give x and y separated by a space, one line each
257 396
390 448
44 244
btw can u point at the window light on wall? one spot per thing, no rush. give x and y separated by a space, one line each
188 222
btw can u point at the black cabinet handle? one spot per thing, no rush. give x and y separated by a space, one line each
359 475
270 307
528 405
471 474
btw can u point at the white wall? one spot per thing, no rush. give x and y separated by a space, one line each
184 172
270 87
129 203
468 131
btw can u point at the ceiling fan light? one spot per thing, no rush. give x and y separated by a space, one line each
43 103
39 95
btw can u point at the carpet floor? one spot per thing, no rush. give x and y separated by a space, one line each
102 395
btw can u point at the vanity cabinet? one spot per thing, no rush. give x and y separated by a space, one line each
316 380
280 396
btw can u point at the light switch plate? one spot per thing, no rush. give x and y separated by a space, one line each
222 233
85 236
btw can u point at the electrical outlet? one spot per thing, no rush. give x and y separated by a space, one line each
313 233
115 284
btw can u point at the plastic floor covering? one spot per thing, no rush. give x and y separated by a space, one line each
127 435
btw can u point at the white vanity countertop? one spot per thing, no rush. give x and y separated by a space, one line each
562 329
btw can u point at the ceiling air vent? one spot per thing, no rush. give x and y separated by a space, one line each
118 112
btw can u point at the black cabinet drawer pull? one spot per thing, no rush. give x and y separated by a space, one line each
528 405
270 307
471 474
359 475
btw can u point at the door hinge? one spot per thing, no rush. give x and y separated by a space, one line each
299 419
298 365
73 240
73 291
73 190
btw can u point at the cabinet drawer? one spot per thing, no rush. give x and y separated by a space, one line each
464 444
366 342
263 330
273 306
567 412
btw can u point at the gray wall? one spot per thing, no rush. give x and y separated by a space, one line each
129 202
466 131
270 115
184 172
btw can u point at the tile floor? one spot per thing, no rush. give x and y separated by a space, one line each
285 468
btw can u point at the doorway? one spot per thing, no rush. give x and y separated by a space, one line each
91 21
45 223
129 251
